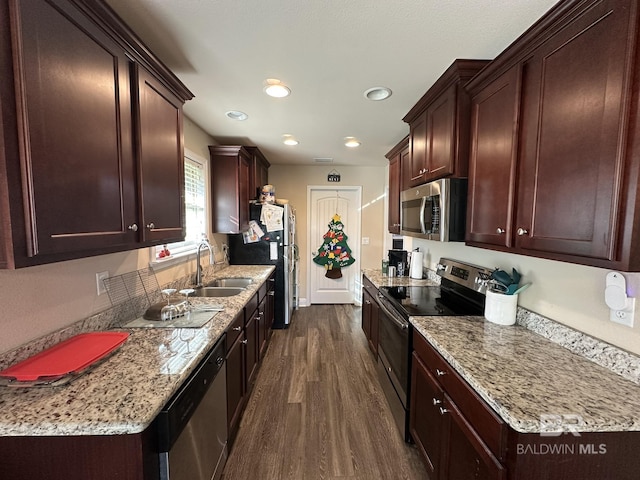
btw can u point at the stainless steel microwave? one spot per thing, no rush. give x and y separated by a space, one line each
435 210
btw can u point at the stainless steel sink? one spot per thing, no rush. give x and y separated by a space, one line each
217 291
231 282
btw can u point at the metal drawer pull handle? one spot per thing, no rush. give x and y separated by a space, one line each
151 226
522 231
500 231
244 342
237 329
436 401
443 411
133 227
440 373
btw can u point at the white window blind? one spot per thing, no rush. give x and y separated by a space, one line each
195 201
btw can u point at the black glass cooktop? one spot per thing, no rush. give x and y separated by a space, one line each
430 301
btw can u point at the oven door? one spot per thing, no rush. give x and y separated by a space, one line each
393 347
393 363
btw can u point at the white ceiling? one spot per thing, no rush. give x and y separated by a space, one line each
328 52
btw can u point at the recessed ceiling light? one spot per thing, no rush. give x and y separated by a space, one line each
289 140
377 93
351 142
237 115
275 88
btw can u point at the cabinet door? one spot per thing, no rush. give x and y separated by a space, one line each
395 172
244 172
160 160
75 140
251 350
235 383
577 90
492 165
373 338
441 135
262 327
426 422
366 313
466 456
418 146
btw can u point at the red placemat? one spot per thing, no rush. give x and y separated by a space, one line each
70 356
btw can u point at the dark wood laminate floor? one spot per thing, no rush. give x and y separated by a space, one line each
317 410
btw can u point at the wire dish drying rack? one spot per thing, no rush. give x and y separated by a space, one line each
137 284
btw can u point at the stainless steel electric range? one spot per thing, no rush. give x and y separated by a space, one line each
461 292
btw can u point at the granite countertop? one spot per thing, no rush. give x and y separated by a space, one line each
525 377
376 277
124 393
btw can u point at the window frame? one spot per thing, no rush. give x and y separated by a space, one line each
181 251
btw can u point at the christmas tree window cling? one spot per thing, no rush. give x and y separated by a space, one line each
334 252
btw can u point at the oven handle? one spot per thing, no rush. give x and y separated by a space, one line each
400 322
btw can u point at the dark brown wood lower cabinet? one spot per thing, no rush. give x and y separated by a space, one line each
461 438
107 457
426 422
370 311
466 456
236 388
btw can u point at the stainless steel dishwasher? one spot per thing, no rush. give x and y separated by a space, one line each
192 427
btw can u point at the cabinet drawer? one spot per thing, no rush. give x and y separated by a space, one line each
489 426
437 365
370 287
235 329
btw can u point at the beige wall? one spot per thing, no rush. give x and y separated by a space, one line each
38 300
291 182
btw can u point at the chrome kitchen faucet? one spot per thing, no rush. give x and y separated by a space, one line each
212 261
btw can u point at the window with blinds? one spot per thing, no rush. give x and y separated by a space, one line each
195 199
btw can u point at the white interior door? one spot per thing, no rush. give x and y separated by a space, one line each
324 203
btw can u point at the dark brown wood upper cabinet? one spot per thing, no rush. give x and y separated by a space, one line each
492 162
161 160
397 156
439 127
237 173
574 167
230 172
85 163
259 172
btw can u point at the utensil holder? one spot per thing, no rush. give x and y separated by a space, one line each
500 308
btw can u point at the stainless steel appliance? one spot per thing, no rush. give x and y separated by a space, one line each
273 248
435 210
461 292
192 427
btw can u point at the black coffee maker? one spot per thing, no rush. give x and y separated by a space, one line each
398 259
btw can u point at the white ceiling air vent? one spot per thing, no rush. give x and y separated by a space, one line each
323 160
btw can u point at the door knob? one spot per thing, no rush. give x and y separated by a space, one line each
151 226
500 231
522 231
133 228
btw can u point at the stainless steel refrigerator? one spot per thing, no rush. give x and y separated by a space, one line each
273 248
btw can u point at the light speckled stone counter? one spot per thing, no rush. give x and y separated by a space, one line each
124 393
524 376
376 277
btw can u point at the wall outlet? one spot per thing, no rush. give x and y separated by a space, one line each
624 317
100 276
